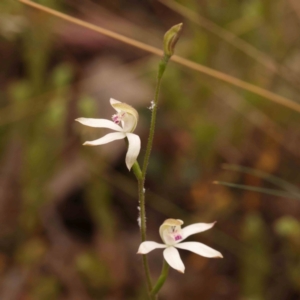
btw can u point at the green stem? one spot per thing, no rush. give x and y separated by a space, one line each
138 174
141 175
137 171
161 69
161 280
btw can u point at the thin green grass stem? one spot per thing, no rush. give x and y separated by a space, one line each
266 176
272 192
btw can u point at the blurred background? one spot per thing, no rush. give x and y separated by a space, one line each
68 213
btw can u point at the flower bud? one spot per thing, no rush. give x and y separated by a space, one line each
170 39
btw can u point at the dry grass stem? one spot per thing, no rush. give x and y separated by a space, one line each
180 60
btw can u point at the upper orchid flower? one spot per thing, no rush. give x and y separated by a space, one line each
172 234
127 116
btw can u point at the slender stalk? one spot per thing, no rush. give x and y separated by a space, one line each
161 280
162 66
136 169
138 174
170 39
161 69
141 175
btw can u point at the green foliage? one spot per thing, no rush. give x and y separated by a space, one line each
31 252
99 203
255 264
93 271
46 287
87 106
288 227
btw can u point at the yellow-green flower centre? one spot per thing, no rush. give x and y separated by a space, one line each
170 231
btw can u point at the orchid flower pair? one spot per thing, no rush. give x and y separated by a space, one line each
127 116
170 231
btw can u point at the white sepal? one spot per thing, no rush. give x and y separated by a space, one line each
172 257
195 228
199 249
99 123
134 147
110 137
147 247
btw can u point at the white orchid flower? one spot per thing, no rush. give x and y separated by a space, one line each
128 117
172 236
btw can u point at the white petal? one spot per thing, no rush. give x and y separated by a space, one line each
99 123
199 249
172 257
129 122
106 139
195 228
147 247
134 147
114 101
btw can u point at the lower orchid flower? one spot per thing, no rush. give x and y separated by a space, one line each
127 116
172 236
